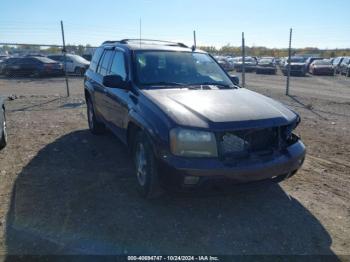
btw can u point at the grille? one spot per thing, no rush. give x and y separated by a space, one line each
295 67
242 143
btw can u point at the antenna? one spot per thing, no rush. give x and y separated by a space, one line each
194 41
140 29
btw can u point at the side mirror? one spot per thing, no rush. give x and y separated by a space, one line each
114 81
235 79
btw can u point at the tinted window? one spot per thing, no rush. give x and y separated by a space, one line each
118 65
44 59
105 62
56 57
96 59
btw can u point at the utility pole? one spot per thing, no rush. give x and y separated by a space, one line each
243 60
288 65
194 40
64 51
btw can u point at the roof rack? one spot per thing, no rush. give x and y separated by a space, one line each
110 42
148 41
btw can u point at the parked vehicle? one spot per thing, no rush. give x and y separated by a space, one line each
344 67
297 66
266 65
184 120
3 132
31 66
336 63
321 67
75 64
3 57
309 61
227 66
249 64
88 57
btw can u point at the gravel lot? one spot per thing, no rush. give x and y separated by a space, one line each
65 191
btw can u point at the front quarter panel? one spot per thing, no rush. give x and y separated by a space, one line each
151 119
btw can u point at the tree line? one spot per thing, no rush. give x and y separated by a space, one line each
224 50
275 52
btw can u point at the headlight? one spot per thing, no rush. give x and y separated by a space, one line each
192 143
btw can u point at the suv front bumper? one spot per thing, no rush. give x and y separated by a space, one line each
176 168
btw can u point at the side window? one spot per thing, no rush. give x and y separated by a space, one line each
118 65
105 62
96 58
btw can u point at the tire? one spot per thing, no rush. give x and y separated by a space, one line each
3 139
95 126
146 172
348 73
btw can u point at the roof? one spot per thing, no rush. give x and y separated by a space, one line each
147 44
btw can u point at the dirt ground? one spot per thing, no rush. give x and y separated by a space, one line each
65 191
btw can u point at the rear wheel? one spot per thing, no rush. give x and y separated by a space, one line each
145 168
348 73
3 138
95 126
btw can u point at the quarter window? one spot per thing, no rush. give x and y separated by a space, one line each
105 62
95 59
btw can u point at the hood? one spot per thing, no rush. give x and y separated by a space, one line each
220 109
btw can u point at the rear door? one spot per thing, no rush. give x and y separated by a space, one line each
100 90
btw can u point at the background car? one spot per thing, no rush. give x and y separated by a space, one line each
227 66
336 63
75 64
297 66
3 133
344 67
31 66
249 64
266 65
321 67
309 61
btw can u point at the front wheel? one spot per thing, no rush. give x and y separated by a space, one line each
3 138
145 168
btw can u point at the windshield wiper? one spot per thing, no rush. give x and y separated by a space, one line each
163 83
210 84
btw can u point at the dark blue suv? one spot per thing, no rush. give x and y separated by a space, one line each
185 120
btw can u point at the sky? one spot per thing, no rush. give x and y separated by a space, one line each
315 23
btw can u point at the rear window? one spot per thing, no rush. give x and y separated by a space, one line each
45 60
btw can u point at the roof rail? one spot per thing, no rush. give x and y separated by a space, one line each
125 41
110 42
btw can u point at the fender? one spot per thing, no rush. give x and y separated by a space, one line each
150 130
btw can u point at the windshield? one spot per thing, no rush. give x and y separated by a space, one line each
45 59
265 61
178 68
247 59
322 62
